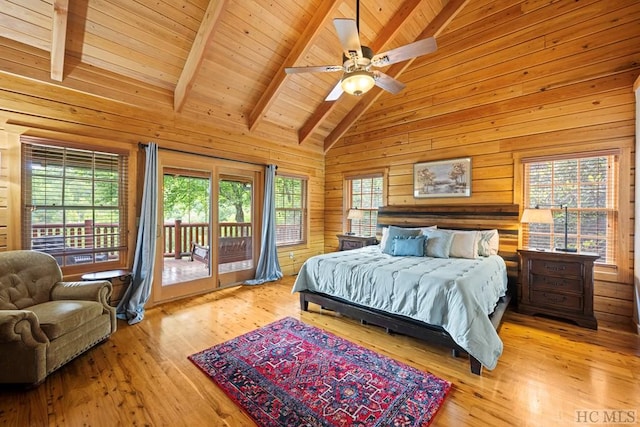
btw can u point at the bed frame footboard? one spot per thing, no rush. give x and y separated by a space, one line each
400 324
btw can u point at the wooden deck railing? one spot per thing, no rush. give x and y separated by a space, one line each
234 243
235 238
77 243
82 235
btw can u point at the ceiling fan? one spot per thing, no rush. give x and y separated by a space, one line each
358 77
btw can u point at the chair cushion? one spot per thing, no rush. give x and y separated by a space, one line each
59 317
26 278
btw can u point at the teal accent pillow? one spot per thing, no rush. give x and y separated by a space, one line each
438 243
408 246
397 232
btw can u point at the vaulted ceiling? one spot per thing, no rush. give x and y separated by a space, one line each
216 60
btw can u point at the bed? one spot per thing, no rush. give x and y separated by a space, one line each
457 301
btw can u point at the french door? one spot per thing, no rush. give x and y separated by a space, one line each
239 218
208 225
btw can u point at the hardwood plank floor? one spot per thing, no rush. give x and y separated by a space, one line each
548 373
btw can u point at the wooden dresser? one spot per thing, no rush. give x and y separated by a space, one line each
350 241
558 284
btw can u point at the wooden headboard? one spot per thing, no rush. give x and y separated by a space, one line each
504 218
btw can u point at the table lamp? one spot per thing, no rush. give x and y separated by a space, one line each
354 213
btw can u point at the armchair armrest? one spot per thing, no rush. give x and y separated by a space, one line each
99 290
21 326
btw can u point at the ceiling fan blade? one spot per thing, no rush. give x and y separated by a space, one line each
402 53
318 69
336 92
388 83
347 30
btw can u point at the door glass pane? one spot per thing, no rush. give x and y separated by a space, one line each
235 230
186 201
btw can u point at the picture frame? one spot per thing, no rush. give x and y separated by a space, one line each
442 178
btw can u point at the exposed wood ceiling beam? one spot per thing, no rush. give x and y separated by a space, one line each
315 120
386 35
59 38
307 38
196 54
435 28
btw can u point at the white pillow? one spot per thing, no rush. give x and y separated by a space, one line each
385 236
464 244
488 242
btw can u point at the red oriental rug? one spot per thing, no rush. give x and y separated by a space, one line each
292 374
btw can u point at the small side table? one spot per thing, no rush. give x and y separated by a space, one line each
120 279
558 284
351 241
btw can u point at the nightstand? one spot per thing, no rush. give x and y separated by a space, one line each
351 241
558 284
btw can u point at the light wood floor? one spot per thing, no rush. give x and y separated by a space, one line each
141 376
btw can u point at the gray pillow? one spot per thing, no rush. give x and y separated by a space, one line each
438 243
397 232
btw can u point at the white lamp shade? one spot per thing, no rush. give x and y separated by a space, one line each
536 215
355 214
357 82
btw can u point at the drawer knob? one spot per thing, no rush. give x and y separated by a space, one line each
555 267
555 298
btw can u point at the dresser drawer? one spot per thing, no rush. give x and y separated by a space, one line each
539 282
552 299
556 268
350 244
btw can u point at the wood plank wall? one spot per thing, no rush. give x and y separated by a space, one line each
40 109
511 79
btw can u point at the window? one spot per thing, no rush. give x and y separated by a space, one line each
365 193
290 210
74 203
588 187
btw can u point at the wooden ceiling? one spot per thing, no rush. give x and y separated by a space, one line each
216 60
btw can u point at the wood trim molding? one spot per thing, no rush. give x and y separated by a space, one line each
622 272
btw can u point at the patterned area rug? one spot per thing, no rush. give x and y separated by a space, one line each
292 374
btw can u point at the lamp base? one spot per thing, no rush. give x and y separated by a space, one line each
566 249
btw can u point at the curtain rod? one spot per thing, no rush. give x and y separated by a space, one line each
211 156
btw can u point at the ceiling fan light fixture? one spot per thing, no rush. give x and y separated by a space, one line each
358 82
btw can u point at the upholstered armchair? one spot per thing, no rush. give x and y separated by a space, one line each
45 322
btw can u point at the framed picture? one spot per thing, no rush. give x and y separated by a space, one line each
443 178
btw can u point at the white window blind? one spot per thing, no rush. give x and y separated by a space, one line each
74 203
290 198
587 185
366 194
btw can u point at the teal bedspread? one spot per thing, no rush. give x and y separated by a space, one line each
456 294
